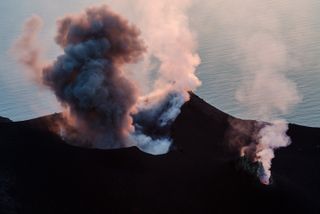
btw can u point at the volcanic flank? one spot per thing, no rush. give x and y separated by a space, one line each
40 173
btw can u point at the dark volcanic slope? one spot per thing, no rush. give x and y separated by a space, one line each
4 120
39 173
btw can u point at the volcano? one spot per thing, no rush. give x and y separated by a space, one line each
40 173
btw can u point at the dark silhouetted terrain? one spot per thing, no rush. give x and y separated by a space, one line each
39 173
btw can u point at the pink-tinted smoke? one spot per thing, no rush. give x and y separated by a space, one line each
104 107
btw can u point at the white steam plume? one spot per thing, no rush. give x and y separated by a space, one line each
171 59
266 91
168 66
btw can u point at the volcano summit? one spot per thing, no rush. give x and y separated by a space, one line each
40 173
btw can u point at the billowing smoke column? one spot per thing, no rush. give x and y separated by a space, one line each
88 78
104 106
265 90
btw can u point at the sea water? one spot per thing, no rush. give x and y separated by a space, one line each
219 71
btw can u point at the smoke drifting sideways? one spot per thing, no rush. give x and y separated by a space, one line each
103 107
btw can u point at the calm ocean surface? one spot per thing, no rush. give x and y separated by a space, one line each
219 71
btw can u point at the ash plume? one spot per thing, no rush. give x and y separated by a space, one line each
104 106
89 79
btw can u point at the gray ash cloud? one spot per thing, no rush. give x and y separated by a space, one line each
88 78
